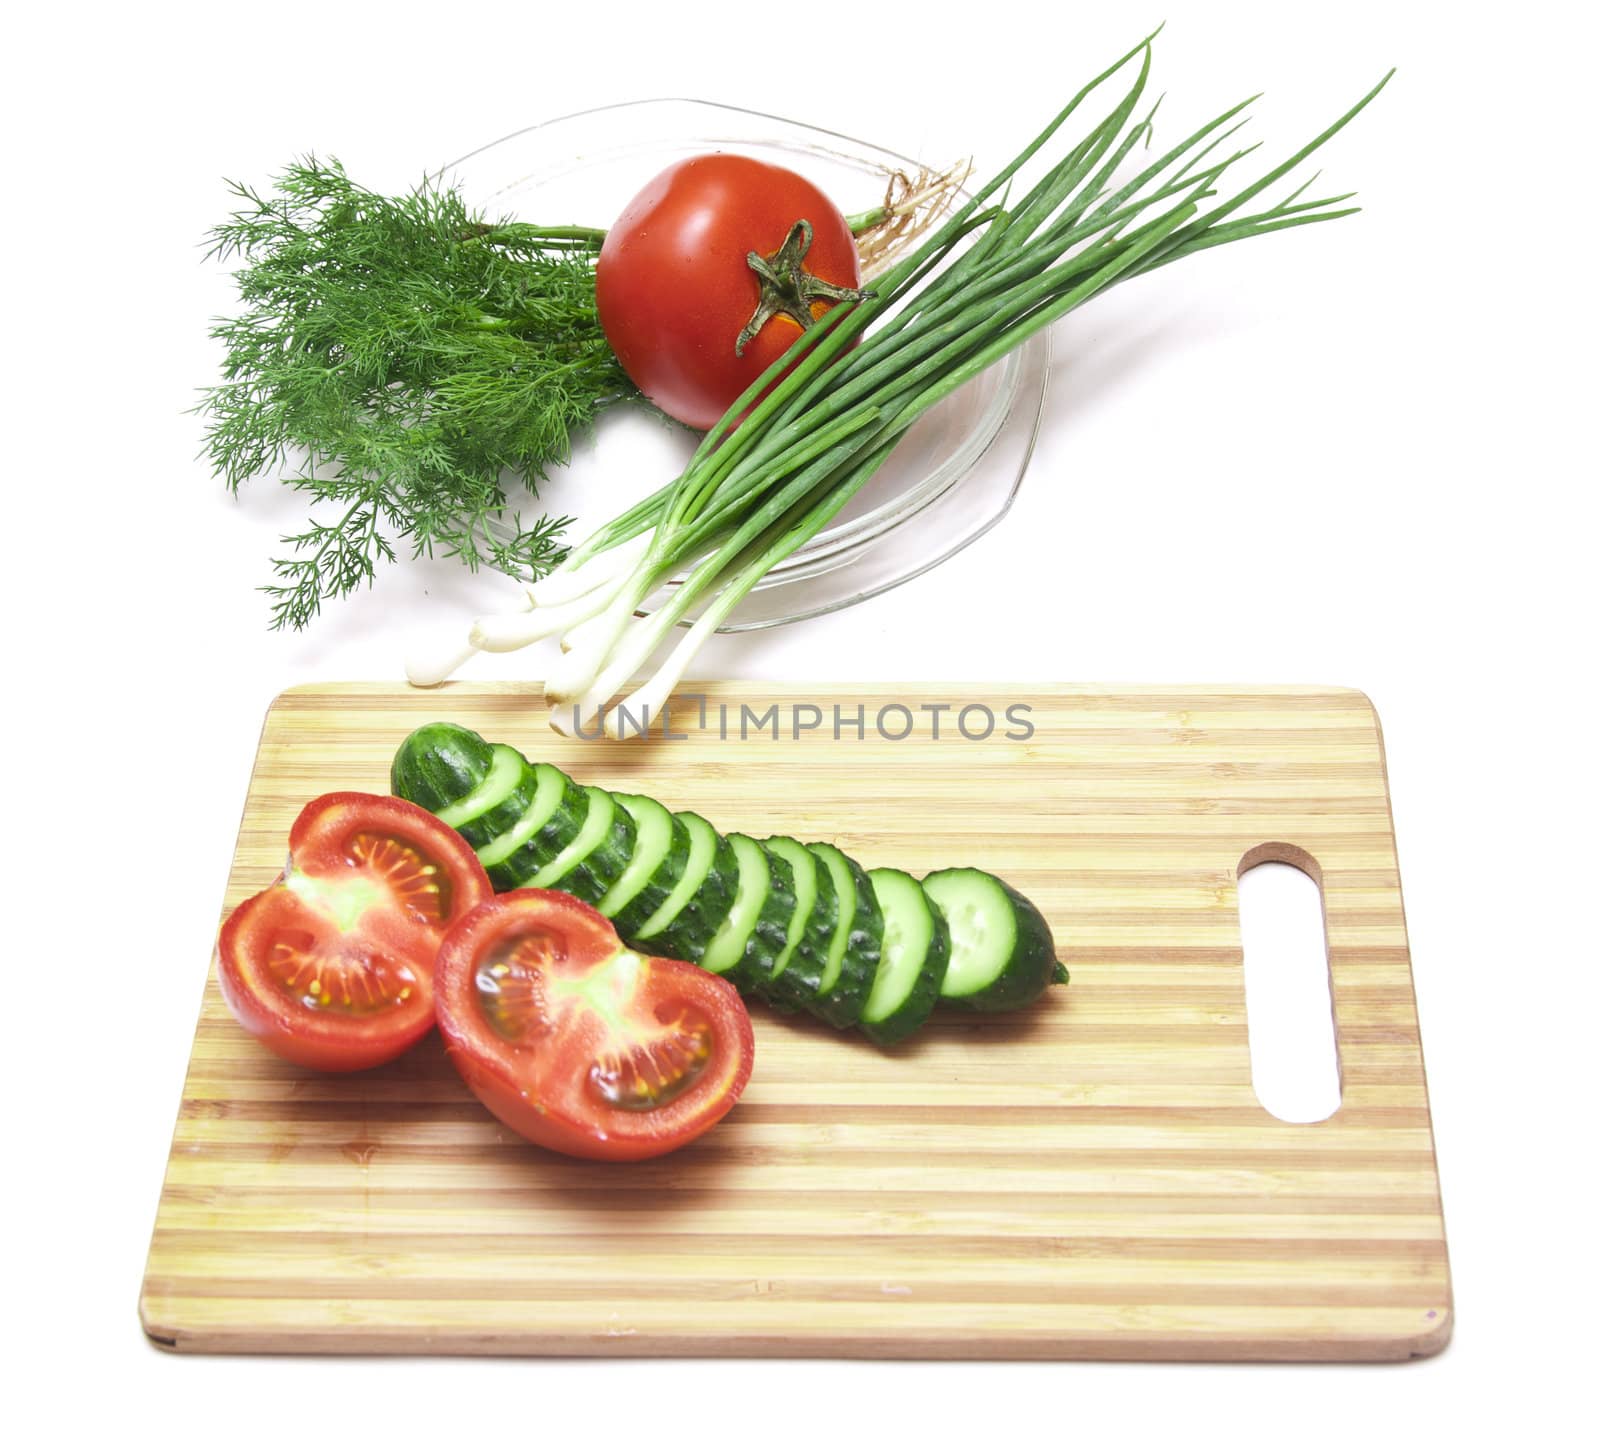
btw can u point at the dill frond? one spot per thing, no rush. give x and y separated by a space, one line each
413 355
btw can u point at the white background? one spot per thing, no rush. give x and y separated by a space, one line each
1361 454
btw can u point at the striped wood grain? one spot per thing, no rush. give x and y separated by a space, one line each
1092 1178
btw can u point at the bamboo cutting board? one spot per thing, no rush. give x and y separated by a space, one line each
1091 1178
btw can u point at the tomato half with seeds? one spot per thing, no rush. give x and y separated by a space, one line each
332 965
712 271
579 1044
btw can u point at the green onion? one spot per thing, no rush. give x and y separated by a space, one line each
752 495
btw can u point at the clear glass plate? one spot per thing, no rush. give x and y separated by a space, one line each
950 479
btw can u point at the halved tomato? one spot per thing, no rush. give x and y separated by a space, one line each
579 1044
332 965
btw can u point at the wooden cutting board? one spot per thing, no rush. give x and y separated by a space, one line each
1091 1178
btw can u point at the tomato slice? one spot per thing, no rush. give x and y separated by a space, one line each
332 965
579 1044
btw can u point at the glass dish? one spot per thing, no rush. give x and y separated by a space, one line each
950 479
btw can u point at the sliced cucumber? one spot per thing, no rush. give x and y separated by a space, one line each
684 924
803 925
798 970
553 818
593 859
855 943
1002 954
497 803
725 953
916 954
662 881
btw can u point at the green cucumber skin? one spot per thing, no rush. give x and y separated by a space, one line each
907 1018
795 986
1032 968
439 764
659 887
771 934
687 935
544 845
505 813
592 876
809 962
841 1005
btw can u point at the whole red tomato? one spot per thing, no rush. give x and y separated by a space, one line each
692 317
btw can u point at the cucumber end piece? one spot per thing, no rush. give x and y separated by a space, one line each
1008 951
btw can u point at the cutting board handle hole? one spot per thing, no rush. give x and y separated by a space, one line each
1294 1050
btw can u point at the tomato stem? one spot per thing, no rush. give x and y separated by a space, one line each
788 287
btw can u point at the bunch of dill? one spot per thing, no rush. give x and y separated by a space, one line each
411 355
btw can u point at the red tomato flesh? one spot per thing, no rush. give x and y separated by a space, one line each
674 288
579 1044
332 965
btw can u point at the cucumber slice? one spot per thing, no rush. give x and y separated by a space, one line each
497 803
726 951
798 970
684 924
653 823
1002 954
593 859
662 880
553 818
855 944
916 954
